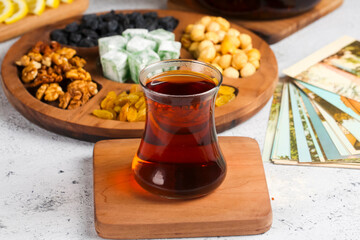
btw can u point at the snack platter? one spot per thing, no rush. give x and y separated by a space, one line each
251 92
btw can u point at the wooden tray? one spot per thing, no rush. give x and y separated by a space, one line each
240 206
253 92
270 30
49 16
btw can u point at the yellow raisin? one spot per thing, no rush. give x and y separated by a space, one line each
104 114
226 90
132 114
139 103
133 98
117 109
223 99
124 112
121 100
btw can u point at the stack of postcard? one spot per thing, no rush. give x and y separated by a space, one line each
315 113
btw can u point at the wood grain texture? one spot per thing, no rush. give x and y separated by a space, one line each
240 206
253 91
271 31
49 16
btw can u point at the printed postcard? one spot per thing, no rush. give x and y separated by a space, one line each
273 119
334 68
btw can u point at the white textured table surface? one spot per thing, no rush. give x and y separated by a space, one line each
46 179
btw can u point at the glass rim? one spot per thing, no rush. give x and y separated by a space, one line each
143 71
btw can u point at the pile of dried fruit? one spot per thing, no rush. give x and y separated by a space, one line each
124 107
46 66
226 94
212 40
131 106
92 27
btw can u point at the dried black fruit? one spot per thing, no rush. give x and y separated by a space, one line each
168 23
92 26
112 25
72 27
62 40
151 15
86 42
109 16
121 17
90 23
75 37
151 24
139 21
88 17
95 25
110 34
120 29
89 33
59 36
132 16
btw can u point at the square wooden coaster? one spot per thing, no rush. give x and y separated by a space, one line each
123 210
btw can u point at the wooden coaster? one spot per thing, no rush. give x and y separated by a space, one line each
123 210
271 31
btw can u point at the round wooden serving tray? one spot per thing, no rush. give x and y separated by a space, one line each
253 91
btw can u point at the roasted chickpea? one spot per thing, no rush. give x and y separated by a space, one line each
233 32
189 28
221 34
199 26
245 40
212 36
253 54
231 72
227 46
203 44
193 49
197 35
247 70
248 48
256 63
185 40
239 60
224 24
225 61
233 39
205 20
216 59
207 54
213 27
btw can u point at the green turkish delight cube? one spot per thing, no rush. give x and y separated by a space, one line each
115 66
138 44
160 35
132 32
169 50
139 60
113 43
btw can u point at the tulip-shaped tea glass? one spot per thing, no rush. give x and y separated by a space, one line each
179 155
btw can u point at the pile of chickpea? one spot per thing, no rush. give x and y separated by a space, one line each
212 40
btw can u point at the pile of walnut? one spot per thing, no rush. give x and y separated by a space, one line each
124 107
45 66
212 40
